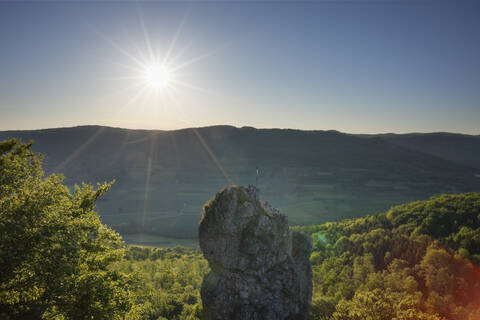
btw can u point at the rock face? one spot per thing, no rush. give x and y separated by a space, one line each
260 269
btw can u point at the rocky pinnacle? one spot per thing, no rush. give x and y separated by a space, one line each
260 269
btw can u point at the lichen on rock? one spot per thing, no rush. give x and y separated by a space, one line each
260 269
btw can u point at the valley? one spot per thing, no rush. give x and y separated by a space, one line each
164 177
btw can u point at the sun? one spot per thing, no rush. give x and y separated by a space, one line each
157 76
157 72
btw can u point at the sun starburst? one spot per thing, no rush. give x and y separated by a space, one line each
157 76
156 72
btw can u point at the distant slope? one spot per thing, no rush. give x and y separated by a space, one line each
164 177
458 148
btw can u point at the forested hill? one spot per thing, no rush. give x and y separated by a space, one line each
416 261
164 177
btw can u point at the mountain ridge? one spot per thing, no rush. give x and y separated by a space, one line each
164 176
251 127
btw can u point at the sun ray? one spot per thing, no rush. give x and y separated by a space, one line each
133 99
190 86
171 63
60 167
139 51
159 78
212 156
174 39
147 182
123 78
172 97
145 32
198 58
116 46
115 93
126 66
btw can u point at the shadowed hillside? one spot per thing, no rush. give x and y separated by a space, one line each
164 177
458 148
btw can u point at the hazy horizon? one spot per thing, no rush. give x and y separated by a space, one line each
242 126
356 67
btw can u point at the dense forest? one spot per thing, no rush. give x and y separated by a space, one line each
416 261
58 261
170 281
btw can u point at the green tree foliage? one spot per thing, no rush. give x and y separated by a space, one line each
416 261
171 279
54 252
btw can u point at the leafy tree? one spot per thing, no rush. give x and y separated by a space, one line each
408 263
171 279
54 251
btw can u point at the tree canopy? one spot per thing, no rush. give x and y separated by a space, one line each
54 251
416 261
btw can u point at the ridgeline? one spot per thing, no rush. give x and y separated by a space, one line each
163 177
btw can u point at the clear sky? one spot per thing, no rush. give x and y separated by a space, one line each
353 66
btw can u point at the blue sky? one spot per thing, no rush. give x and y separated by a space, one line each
353 66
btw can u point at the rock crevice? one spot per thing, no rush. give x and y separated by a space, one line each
260 269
